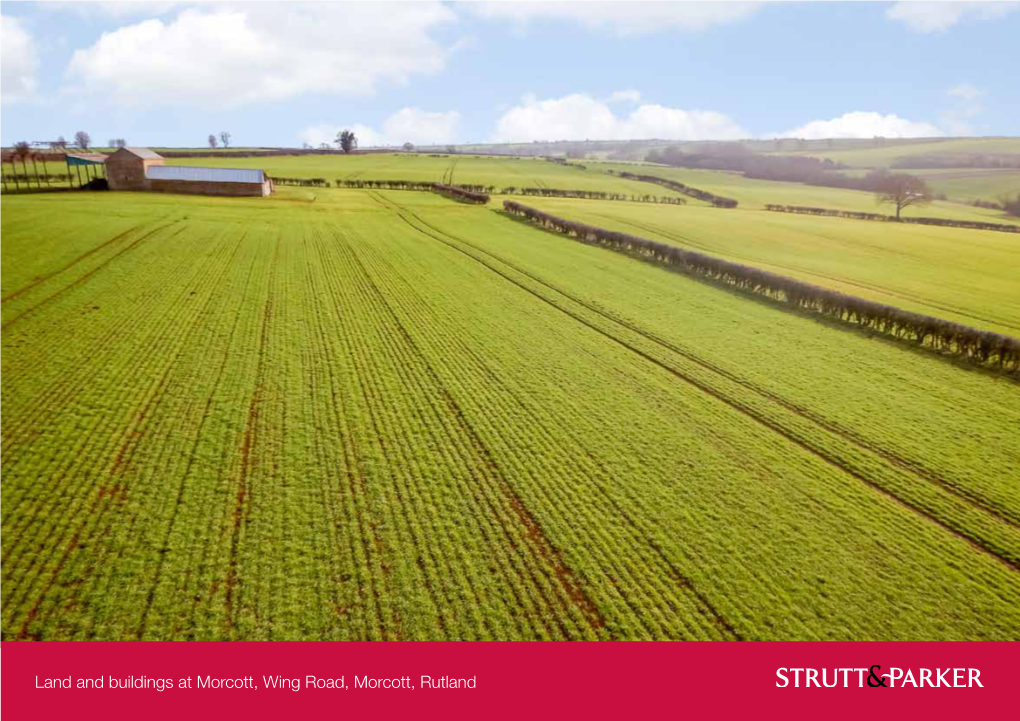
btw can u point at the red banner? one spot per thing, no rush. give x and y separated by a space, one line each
497 680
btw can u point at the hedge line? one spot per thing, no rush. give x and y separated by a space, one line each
985 346
44 177
425 185
386 184
302 182
718 201
592 195
972 224
458 193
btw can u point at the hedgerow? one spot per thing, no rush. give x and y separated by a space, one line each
718 201
302 182
460 193
945 336
592 195
423 185
856 215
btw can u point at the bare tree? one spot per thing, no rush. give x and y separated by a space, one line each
408 147
346 140
225 138
59 144
451 149
903 191
22 150
212 141
322 146
83 140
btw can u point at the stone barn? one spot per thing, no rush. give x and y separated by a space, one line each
142 169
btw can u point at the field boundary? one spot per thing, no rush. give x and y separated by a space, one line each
995 350
857 215
719 201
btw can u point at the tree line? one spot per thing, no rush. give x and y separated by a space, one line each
993 349
856 215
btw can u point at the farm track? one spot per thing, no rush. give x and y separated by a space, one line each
1006 515
638 536
134 244
58 271
489 469
913 297
999 542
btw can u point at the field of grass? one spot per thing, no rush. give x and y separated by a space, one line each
752 193
348 415
467 169
884 155
965 185
969 276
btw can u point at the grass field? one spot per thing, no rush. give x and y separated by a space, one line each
969 276
358 415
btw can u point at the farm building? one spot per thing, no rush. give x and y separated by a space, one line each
142 169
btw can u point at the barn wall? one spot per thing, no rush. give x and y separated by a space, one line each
125 171
198 187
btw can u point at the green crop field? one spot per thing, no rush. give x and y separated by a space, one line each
969 276
342 414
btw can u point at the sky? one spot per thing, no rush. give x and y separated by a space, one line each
283 74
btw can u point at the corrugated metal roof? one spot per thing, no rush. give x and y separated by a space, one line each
144 153
211 175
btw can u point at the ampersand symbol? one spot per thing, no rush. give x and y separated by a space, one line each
871 675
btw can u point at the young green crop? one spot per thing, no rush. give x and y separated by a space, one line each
385 415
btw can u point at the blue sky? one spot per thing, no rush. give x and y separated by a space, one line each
168 74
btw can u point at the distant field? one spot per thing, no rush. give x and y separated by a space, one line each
968 276
356 415
479 170
884 155
753 193
967 185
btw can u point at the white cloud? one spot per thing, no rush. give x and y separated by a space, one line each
966 99
966 92
863 125
625 96
19 61
621 18
936 17
236 54
580 117
406 125
113 9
